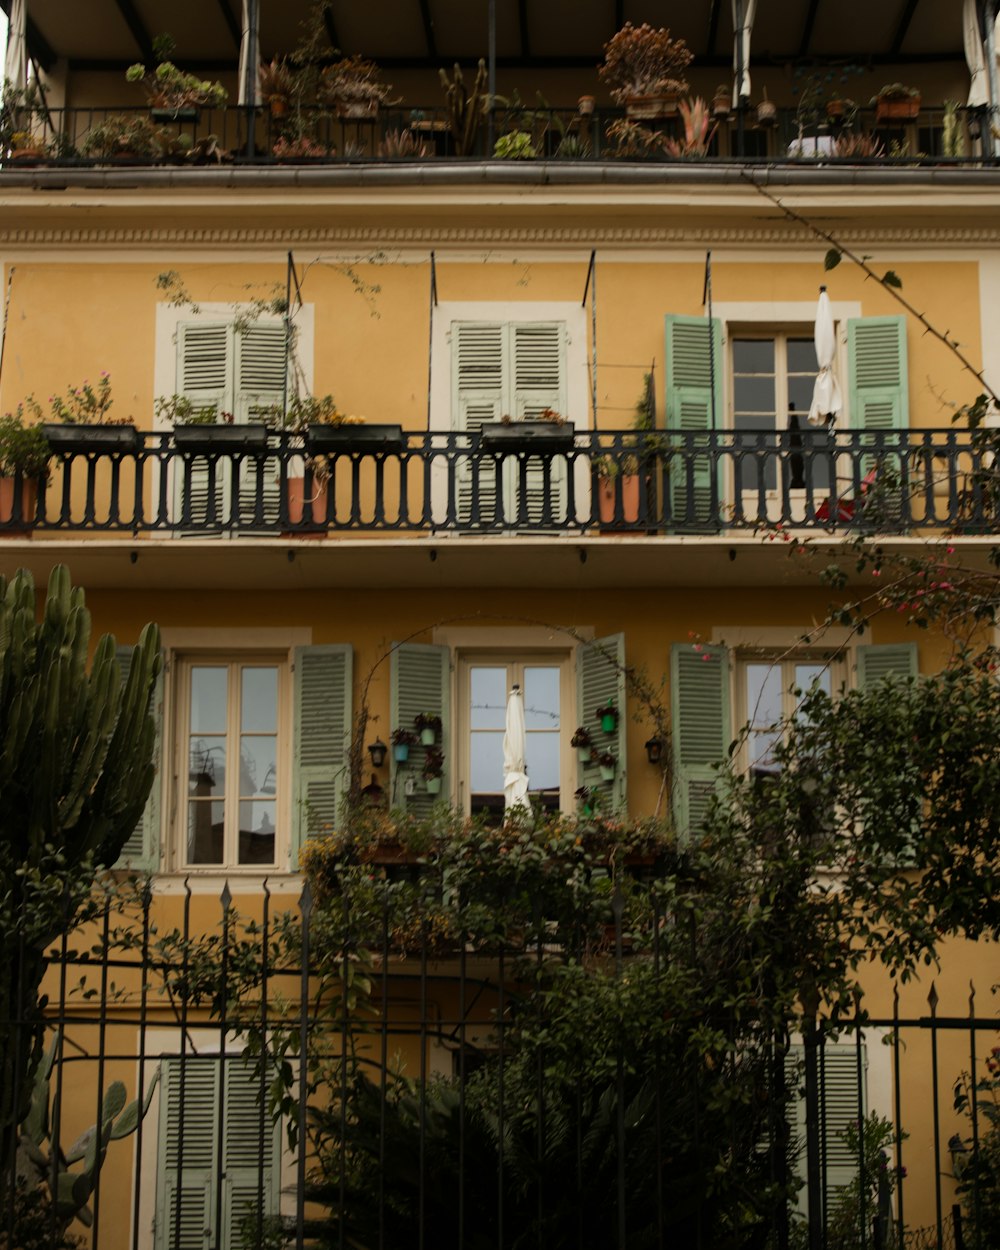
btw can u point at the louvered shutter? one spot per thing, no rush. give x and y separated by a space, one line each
694 405
141 852
699 695
888 660
600 676
247 1154
322 733
421 682
537 356
188 1099
842 1104
204 373
261 372
876 350
477 355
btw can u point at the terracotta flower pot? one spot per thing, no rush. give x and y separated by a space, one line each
311 510
630 500
650 107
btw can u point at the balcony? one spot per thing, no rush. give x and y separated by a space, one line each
592 483
237 136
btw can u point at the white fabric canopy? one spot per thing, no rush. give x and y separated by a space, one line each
975 56
249 47
826 392
741 85
15 65
515 745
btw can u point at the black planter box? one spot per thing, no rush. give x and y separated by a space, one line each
68 438
210 438
527 436
370 439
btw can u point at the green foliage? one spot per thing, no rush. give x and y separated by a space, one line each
466 108
24 448
86 404
978 1164
32 1222
171 88
516 146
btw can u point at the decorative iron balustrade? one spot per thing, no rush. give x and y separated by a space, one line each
380 481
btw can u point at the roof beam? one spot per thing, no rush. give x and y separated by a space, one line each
234 26
807 28
428 21
137 29
522 21
906 17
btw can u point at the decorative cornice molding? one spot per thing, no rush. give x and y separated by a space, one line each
352 236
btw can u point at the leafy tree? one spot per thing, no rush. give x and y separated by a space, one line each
76 768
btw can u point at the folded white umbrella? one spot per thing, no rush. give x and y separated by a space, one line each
515 745
249 45
826 392
741 85
975 56
15 63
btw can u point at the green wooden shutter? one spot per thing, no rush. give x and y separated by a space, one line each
323 684
600 676
261 369
477 359
699 696
537 377
244 1154
694 403
889 660
842 1105
141 852
205 376
194 1185
421 682
876 351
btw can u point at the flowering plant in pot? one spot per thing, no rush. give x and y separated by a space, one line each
352 85
607 763
607 714
277 84
432 770
428 725
581 741
644 69
79 421
402 740
24 455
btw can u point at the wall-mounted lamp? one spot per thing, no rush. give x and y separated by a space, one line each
377 750
654 750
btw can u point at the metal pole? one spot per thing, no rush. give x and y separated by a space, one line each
492 74
989 22
740 67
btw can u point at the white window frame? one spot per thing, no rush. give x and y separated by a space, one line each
571 316
224 645
791 318
563 659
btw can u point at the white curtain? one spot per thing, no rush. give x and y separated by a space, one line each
741 86
975 56
250 47
15 64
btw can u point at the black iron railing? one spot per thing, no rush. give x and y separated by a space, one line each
172 1007
386 481
131 136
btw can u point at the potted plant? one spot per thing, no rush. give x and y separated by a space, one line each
80 421
402 740
174 95
722 101
24 454
202 428
277 83
548 431
896 102
620 475
607 763
607 714
581 741
585 105
644 68
327 430
428 725
432 770
767 111
352 85
465 108
126 137
516 146
698 130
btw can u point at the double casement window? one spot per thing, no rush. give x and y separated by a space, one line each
744 387
252 758
467 687
715 690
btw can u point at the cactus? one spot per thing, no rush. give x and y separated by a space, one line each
40 1160
465 108
75 771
